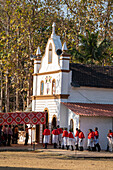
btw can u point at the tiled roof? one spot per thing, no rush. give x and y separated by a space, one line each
90 109
92 76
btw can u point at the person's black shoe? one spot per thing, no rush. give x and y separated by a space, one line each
72 148
63 147
67 147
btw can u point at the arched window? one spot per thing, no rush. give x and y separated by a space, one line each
53 87
71 125
54 122
42 88
50 54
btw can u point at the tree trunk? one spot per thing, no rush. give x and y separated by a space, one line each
7 93
17 99
1 94
17 77
7 80
29 92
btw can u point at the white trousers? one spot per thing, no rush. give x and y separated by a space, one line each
54 138
46 138
65 141
60 137
80 143
71 141
76 140
110 141
90 143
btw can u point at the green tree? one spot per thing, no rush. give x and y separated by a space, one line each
91 51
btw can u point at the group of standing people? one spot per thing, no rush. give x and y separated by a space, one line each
7 133
93 140
61 138
10 135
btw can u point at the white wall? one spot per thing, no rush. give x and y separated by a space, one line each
75 118
51 104
63 116
35 80
64 64
45 67
64 83
56 76
103 124
90 95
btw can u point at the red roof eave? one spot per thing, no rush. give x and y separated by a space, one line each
91 109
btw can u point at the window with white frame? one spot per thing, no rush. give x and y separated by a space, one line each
50 54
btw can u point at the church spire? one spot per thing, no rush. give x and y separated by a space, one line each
38 52
53 30
64 48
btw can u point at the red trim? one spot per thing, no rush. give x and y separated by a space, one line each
91 109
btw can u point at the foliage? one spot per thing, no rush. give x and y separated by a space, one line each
91 51
26 24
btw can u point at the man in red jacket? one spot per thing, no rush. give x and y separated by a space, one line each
60 131
96 136
76 139
46 134
55 137
65 139
81 139
110 140
90 140
71 140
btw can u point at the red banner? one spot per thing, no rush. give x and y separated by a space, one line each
23 118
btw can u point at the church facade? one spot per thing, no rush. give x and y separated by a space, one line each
73 95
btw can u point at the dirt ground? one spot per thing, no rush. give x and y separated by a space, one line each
50 160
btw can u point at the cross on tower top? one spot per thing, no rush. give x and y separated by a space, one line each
53 30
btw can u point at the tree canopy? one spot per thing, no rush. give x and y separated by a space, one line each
86 26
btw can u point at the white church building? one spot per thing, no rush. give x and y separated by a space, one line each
73 95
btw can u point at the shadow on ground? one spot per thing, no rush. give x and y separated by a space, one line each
23 168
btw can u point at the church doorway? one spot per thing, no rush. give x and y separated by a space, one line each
47 121
54 122
38 133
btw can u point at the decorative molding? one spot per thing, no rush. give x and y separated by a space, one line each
37 59
57 96
37 63
64 58
51 72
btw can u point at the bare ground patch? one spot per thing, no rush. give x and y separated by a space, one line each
50 160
